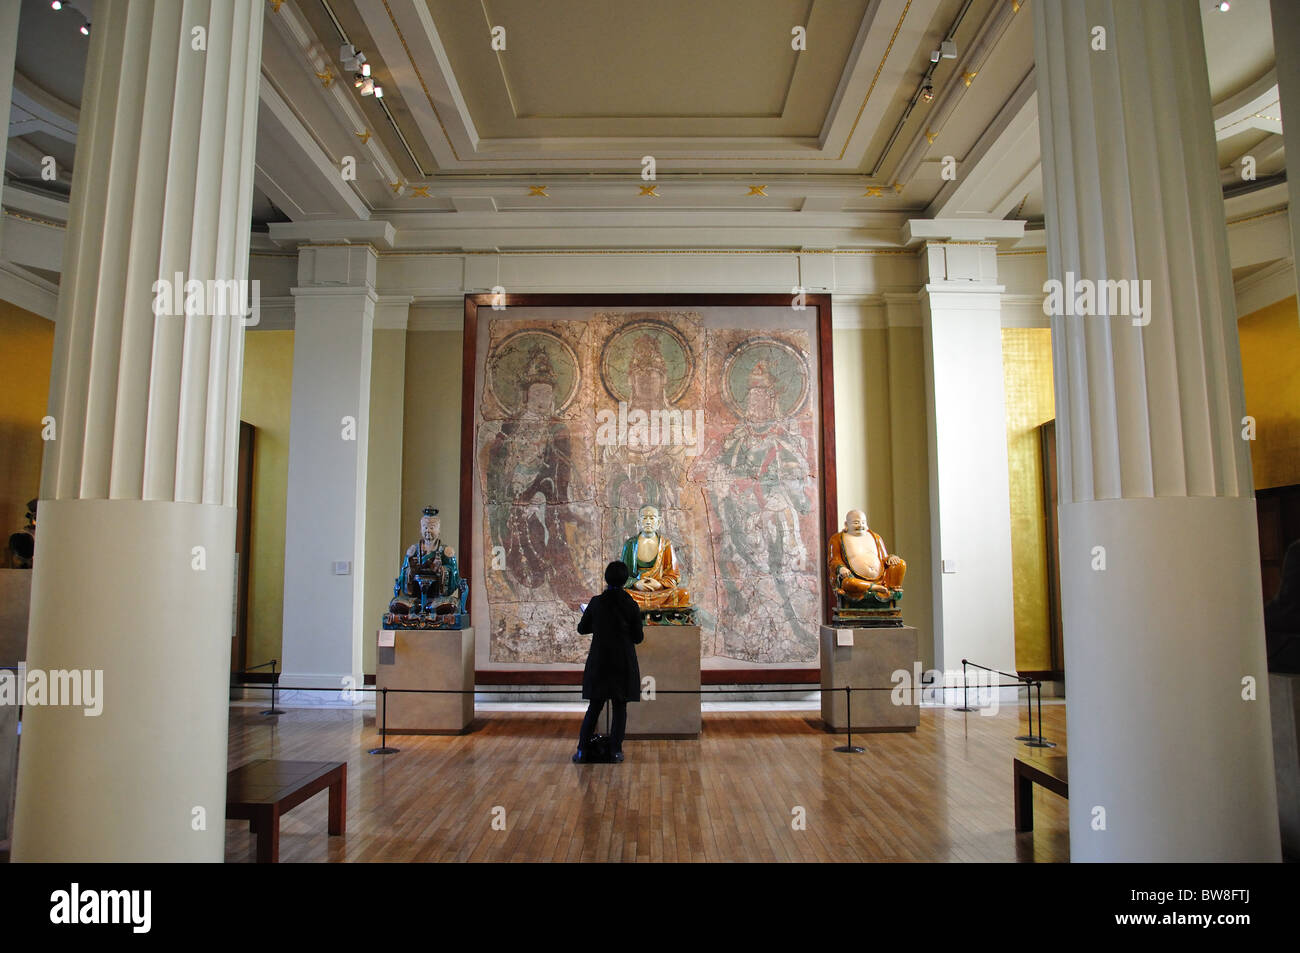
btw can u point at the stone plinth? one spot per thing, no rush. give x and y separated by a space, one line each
868 663
428 659
8 762
15 604
671 655
1284 705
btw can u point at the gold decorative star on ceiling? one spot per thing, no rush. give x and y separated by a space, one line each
538 190
650 191
758 190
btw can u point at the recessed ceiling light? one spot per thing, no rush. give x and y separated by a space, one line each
56 4
1223 6
85 28
927 93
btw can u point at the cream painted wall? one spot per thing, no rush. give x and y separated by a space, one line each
268 380
430 431
909 461
383 480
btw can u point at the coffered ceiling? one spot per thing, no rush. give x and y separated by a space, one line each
502 115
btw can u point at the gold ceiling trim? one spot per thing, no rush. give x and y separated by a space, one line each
1280 210
35 221
843 149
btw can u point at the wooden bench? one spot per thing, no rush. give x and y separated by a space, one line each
1049 770
260 791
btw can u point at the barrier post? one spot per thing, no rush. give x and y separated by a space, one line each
275 681
849 747
383 730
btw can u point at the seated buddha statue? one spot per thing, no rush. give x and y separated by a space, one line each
428 558
861 570
653 571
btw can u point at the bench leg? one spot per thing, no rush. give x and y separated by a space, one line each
339 802
268 836
1024 789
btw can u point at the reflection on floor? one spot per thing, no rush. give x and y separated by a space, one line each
759 785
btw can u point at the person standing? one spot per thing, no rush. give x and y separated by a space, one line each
612 675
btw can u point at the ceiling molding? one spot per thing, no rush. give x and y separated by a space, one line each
29 291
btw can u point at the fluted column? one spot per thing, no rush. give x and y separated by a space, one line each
137 511
1170 755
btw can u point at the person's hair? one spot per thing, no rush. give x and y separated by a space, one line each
616 574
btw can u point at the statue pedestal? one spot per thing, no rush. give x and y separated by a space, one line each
426 658
869 662
8 759
671 655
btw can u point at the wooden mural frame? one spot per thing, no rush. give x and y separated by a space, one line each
828 518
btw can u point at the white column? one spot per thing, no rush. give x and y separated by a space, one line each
1160 577
325 513
970 497
137 512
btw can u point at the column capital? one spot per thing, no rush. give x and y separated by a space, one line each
336 264
917 230
380 234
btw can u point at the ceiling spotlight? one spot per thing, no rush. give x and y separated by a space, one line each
367 86
379 92
85 28
56 4
1223 6
365 69
948 49
927 93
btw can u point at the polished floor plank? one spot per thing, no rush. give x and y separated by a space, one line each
942 793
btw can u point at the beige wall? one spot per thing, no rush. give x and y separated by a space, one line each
268 382
27 343
384 545
430 433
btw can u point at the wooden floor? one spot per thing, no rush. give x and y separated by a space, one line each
942 793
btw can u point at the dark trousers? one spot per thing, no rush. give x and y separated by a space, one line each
617 728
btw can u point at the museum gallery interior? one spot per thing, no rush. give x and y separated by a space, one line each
880 417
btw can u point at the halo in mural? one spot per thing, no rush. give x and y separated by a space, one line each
533 357
648 364
765 379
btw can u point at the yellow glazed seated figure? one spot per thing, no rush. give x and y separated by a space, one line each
653 572
861 569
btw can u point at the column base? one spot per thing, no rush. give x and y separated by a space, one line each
1169 748
115 590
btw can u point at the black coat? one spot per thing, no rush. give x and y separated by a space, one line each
614 621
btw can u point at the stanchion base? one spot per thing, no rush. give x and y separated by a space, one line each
384 750
849 749
963 708
272 711
1040 743
1026 738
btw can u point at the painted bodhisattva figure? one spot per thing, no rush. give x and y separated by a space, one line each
653 570
862 572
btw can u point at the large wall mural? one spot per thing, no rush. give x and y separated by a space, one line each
579 422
